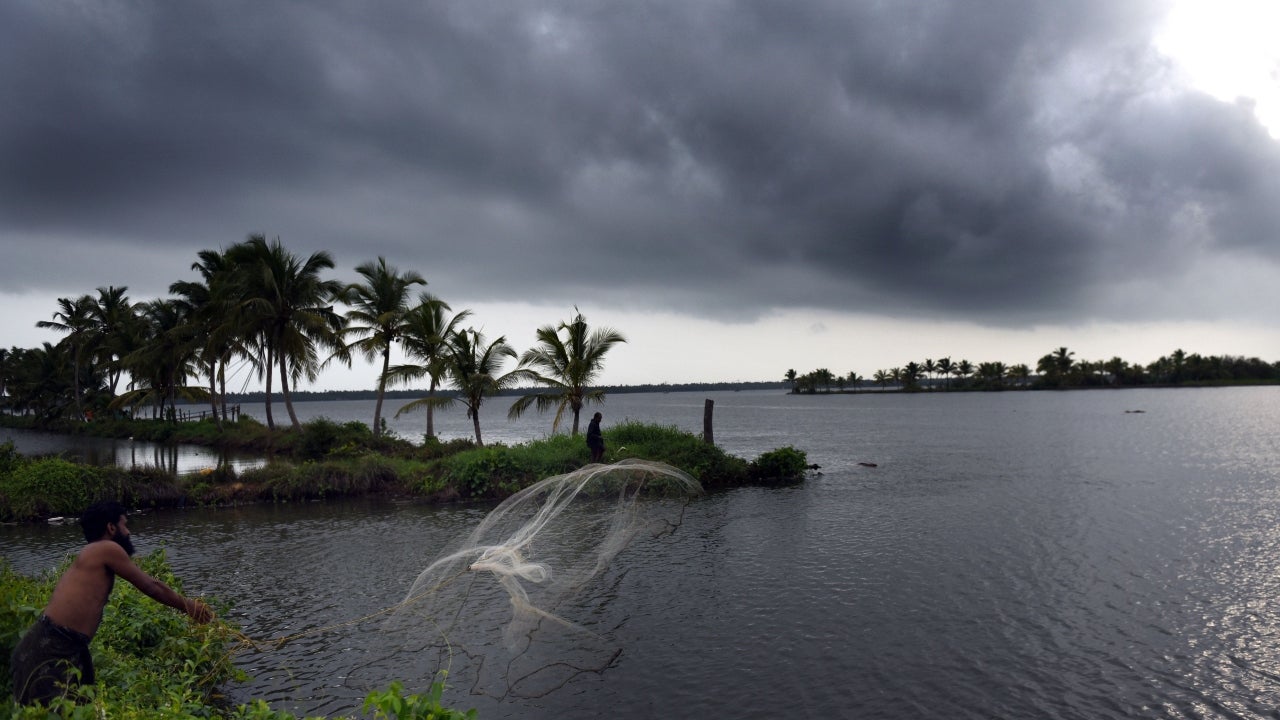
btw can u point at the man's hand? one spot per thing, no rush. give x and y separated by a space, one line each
198 610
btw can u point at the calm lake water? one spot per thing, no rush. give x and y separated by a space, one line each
1014 555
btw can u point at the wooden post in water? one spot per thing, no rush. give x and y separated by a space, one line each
708 436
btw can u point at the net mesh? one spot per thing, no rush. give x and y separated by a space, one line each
519 607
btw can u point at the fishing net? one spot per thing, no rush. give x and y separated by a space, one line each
521 606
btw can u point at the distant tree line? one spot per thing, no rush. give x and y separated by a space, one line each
258 311
392 394
1056 370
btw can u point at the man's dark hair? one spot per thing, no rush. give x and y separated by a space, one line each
94 521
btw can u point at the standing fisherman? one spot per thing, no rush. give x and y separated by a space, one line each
595 440
54 654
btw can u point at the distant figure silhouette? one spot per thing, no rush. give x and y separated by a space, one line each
595 440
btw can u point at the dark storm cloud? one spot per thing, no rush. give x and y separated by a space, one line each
1001 161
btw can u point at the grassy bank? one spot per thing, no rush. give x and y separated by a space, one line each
154 664
328 460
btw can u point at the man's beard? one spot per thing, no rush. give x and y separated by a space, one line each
125 542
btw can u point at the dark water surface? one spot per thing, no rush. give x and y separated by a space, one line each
1015 555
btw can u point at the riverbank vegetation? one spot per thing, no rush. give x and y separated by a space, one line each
325 459
1056 370
154 664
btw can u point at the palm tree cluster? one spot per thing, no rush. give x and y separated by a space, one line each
809 383
1057 369
1060 369
258 307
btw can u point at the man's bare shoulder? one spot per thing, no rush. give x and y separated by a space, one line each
102 552
100 548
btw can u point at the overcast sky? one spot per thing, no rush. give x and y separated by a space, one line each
738 187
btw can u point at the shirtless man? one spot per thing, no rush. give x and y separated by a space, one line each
58 643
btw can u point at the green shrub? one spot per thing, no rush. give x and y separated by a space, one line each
432 447
9 458
319 436
392 705
706 462
498 470
786 464
480 472
141 487
282 480
49 486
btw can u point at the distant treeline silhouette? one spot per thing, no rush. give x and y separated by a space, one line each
1056 370
329 395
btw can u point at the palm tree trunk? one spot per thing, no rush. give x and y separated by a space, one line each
475 422
284 390
271 423
75 379
382 389
222 380
431 410
213 392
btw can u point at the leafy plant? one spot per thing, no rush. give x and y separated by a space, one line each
786 464
392 704
48 486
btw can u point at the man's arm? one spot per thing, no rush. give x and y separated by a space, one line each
123 566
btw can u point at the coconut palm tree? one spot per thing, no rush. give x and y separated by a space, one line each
116 327
212 309
992 373
945 367
881 378
74 317
824 377
1062 357
286 307
427 332
474 371
569 366
1020 373
379 307
39 382
1178 360
1117 368
165 360
911 375
930 369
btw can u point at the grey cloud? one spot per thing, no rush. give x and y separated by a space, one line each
999 161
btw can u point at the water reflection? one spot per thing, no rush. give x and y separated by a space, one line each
127 453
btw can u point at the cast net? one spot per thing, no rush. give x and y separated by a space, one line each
521 606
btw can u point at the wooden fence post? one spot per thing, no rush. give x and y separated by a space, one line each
707 435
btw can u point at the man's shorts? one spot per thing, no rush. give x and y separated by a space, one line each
44 660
